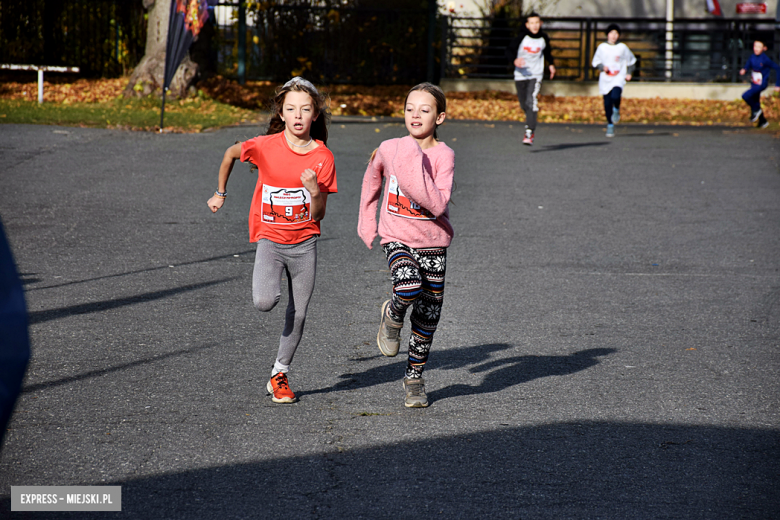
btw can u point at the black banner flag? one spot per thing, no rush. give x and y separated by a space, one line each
187 18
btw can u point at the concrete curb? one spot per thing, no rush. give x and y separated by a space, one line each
634 90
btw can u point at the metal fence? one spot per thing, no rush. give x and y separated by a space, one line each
333 45
101 37
370 46
702 50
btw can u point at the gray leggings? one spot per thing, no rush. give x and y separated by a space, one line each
299 261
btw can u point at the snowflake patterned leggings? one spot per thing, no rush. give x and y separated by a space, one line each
418 280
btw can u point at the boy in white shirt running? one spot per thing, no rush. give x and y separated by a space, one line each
616 63
527 53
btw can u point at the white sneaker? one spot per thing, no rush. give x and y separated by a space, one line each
528 138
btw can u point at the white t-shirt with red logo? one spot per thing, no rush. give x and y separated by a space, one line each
531 49
616 59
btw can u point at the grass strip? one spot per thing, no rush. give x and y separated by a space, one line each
188 115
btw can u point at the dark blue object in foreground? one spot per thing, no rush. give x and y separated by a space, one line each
14 338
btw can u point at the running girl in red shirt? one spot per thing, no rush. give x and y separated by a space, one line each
295 174
415 228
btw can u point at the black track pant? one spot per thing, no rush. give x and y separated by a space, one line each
527 91
612 100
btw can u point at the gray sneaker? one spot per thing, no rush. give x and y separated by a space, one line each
415 393
389 336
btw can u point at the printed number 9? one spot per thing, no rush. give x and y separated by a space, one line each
288 211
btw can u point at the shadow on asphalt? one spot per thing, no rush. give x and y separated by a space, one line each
105 371
565 146
645 134
506 372
502 372
87 308
26 280
562 470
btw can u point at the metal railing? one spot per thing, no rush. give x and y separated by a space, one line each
101 37
333 45
372 46
703 50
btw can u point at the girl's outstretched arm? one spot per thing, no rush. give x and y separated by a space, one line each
416 182
231 154
369 200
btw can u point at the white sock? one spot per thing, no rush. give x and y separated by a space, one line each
278 367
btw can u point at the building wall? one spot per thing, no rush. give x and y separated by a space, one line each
622 8
653 9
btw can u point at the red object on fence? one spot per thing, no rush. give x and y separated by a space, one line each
751 8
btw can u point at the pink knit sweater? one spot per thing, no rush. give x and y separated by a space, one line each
418 184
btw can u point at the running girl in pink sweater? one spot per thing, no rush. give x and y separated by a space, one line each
415 229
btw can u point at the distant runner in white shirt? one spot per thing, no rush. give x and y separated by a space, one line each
527 53
616 63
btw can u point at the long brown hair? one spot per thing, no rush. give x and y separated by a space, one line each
438 95
319 127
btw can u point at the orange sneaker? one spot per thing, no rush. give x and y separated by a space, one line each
279 389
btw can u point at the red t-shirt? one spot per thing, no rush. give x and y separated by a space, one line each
281 206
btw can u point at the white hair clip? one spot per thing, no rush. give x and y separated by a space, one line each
297 80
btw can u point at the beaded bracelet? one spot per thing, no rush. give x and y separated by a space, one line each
220 194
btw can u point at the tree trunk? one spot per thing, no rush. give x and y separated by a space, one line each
148 76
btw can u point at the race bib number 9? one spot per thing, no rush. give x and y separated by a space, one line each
757 78
286 205
399 204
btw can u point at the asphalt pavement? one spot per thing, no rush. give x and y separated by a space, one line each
608 346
